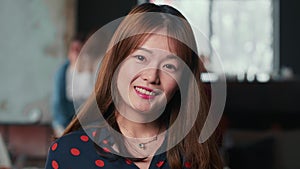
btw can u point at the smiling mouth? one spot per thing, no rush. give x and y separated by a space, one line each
145 91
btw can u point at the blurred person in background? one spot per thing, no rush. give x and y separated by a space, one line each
62 99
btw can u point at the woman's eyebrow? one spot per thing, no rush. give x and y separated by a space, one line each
173 57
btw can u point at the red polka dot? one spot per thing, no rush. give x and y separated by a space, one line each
104 141
99 163
55 164
159 164
187 164
54 147
94 133
128 161
84 138
105 149
75 152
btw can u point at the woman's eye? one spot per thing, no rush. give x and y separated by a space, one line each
170 67
140 58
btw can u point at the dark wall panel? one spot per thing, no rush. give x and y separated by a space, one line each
290 34
93 14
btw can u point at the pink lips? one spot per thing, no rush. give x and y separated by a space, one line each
143 95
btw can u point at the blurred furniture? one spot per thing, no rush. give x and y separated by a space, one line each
27 138
271 149
5 162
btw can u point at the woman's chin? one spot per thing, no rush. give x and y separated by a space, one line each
147 114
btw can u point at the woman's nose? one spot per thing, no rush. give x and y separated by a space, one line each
151 76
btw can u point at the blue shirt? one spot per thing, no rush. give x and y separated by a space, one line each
77 150
62 108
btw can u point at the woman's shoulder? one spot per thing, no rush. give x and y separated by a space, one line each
73 149
72 142
74 136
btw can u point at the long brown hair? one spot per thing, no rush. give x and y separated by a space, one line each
123 43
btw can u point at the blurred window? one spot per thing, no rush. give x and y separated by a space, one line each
244 33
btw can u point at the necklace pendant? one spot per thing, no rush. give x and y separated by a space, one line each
142 146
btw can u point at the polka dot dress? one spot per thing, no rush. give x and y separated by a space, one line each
77 151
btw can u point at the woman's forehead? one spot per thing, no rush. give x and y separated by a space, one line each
159 42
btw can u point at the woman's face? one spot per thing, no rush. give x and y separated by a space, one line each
148 77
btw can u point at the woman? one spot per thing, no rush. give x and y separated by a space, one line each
152 106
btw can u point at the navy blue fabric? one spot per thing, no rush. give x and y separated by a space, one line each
62 108
77 151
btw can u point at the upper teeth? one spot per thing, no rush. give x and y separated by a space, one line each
143 91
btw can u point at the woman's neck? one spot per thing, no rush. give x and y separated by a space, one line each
141 139
138 130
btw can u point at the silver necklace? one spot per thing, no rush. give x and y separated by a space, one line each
142 145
